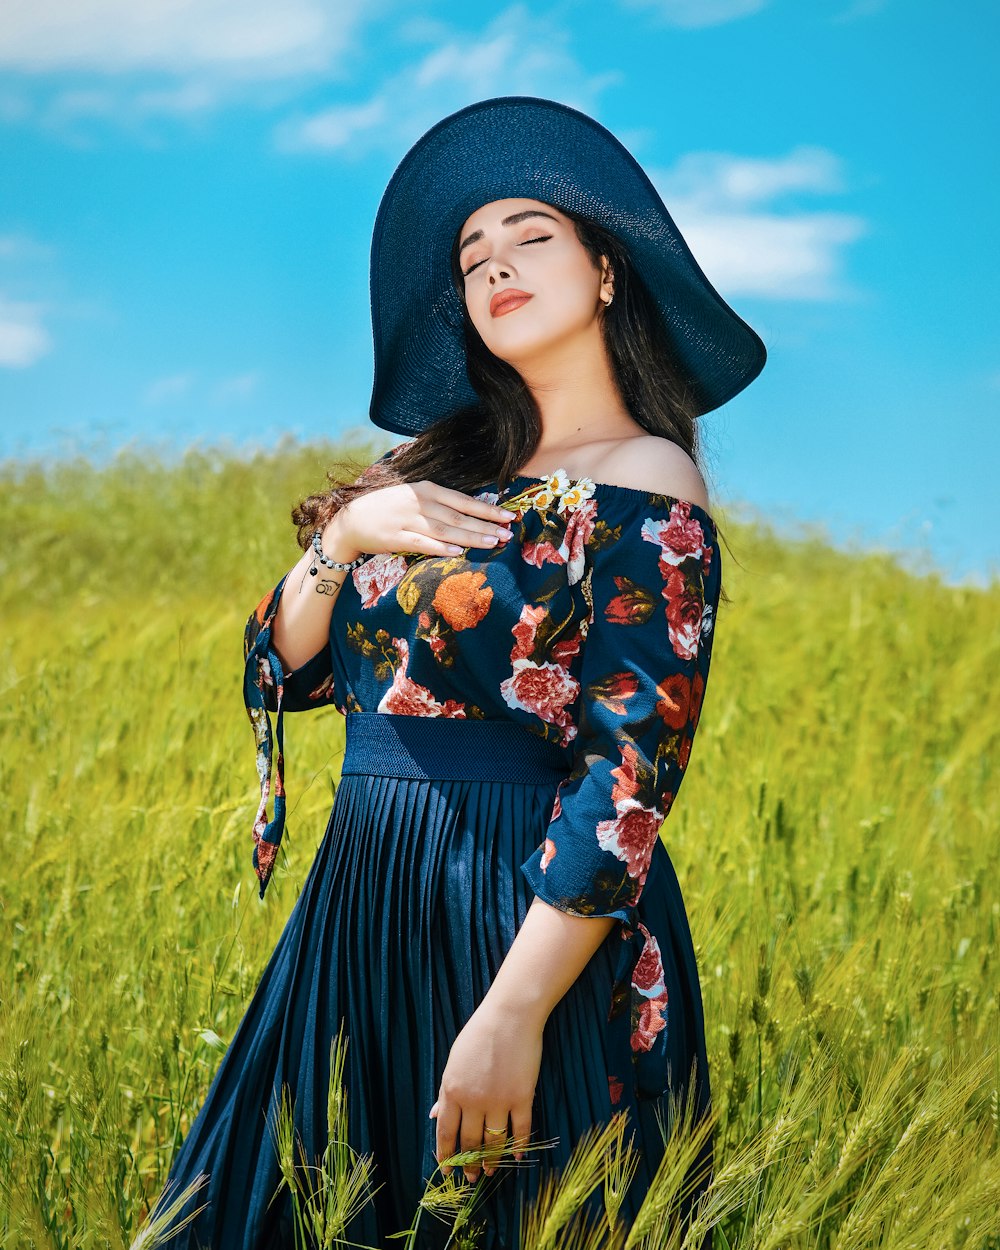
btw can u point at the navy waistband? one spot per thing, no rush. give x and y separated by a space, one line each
448 748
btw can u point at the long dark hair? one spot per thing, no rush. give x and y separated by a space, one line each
490 440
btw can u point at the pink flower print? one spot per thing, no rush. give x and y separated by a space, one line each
633 831
539 553
544 690
649 991
579 528
377 576
648 977
679 538
631 835
684 615
651 1021
406 697
525 630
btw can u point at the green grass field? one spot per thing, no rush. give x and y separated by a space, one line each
836 840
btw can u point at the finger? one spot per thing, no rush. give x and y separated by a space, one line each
413 540
469 504
495 1141
472 1139
452 525
448 1118
520 1122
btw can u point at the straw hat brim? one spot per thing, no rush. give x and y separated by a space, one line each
525 146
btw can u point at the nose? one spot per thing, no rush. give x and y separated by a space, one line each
503 273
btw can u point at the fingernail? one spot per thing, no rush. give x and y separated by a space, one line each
455 550
503 533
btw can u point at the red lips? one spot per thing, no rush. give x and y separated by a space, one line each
505 301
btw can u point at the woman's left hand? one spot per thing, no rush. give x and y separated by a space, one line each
491 1073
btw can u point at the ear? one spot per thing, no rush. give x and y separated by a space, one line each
607 280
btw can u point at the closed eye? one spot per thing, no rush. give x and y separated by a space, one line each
541 239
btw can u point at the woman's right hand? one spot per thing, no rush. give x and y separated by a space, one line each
417 517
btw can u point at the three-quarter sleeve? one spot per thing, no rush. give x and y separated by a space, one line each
268 688
652 579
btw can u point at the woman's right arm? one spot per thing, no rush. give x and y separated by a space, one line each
421 517
302 621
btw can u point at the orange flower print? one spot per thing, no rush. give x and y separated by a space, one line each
634 605
266 854
614 690
463 600
260 611
697 694
651 1021
673 705
548 854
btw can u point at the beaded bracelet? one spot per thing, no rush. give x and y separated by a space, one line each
317 540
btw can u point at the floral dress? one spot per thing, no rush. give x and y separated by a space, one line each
518 721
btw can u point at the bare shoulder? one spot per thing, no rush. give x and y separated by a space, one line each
652 463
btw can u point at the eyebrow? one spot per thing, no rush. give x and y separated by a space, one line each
476 235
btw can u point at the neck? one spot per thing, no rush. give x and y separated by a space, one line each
577 398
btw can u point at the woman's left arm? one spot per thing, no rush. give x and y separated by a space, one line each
654 583
502 1040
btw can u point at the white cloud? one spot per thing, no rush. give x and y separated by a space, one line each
14 106
333 128
519 53
134 60
23 247
240 386
740 180
171 387
747 246
693 13
23 338
240 38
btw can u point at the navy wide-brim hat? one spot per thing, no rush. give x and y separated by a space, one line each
527 147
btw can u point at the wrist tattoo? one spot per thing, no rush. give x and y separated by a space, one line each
328 586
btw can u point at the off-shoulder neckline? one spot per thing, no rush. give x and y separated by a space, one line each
633 491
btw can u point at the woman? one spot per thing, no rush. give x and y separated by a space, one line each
514 611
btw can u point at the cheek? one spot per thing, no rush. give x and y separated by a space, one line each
571 290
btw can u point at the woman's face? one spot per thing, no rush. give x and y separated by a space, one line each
530 247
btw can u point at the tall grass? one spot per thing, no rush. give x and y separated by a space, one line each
836 840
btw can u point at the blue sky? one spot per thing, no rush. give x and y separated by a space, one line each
188 187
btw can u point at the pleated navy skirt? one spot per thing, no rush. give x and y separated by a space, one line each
407 912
